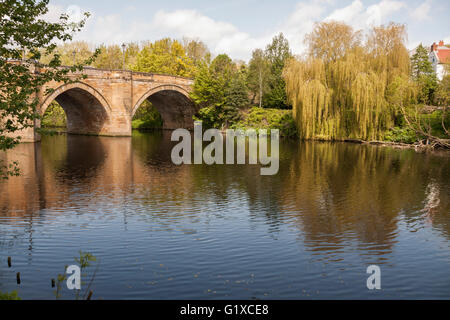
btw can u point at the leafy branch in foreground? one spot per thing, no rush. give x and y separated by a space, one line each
24 37
9 296
84 262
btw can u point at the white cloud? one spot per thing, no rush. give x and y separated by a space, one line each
360 17
422 12
222 37
349 13
376 14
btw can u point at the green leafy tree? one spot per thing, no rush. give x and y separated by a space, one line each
25 34
131 54
110 57
196 50
236 95
212 81
71 53
220 90
443 92
165 56
258 75
277 53
424 74
54 117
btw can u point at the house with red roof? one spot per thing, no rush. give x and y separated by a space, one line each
439 57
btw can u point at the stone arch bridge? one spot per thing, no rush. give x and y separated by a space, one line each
105 101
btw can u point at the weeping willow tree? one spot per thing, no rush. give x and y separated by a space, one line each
345 95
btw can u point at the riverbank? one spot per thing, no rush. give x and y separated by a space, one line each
398 145
267 119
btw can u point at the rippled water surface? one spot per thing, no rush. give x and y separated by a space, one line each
225 232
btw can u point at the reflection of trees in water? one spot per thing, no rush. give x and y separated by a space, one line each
152 148
198 190
74 158
331 192
341 191
19 195
61 167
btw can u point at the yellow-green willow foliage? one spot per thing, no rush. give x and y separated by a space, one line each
347 97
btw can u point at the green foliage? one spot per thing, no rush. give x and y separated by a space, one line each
218 117
424 75
265 74
196 50
147 117
276 97
357 94
432 123
442 94
71 53
110 57
277 54
258 76
212 81
9 170
85 259
9 296
263 118
210 117
23 30
220 90
131 54
60 279
403 135
236 95
165 56
54 117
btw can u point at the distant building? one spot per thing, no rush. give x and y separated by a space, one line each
439 56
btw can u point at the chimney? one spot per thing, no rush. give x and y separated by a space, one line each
441 43
434 47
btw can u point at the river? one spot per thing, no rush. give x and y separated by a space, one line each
161 231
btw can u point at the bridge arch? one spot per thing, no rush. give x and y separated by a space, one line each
173 103
86 109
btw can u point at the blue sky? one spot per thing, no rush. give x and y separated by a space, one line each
236 27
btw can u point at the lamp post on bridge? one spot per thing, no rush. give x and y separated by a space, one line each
74 54
123 55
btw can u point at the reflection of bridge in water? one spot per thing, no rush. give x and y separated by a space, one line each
105 101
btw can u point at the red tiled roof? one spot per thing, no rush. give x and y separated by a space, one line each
443 55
